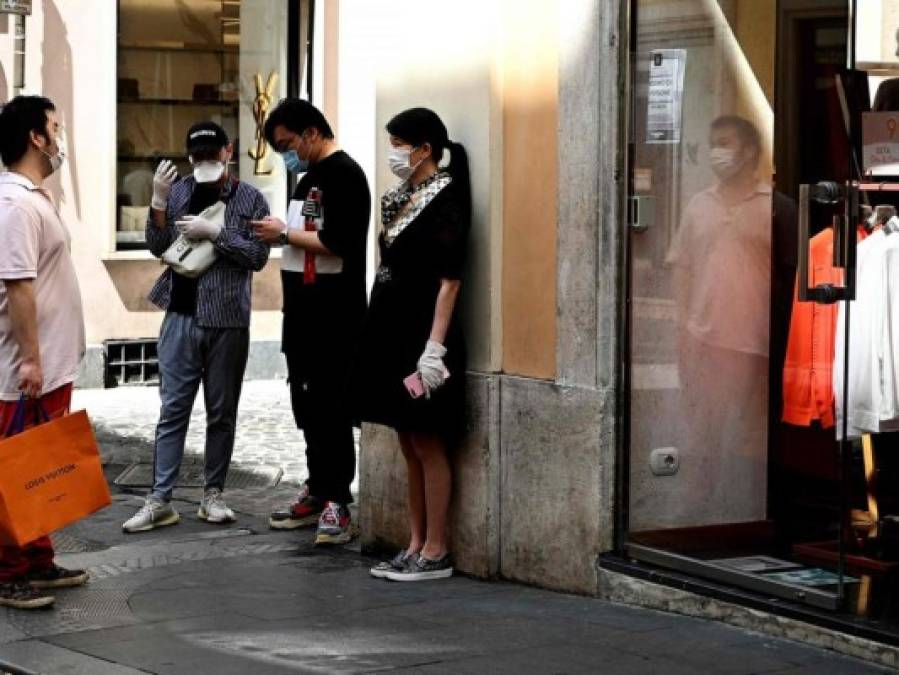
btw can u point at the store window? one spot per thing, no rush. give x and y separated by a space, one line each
765 156
183 61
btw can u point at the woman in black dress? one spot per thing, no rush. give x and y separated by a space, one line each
412 366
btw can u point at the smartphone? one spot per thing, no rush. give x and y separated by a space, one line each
414 385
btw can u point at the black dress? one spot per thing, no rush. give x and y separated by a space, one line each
399 320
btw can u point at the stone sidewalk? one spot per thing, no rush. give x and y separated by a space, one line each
241 599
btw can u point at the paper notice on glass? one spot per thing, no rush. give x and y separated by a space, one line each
880 143
666 95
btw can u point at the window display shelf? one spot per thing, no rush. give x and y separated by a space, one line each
133 237
878 186
219 102
148 158
180 47
879 68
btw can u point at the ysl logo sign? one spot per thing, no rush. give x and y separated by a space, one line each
261 104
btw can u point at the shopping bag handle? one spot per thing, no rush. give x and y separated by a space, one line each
40 413
17 425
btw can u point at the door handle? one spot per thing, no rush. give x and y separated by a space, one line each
844 240
641 212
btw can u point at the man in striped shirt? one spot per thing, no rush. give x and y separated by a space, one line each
205 333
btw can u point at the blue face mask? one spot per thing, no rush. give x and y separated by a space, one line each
293 163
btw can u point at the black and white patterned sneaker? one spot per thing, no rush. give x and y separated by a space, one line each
23 596
423 569
395 564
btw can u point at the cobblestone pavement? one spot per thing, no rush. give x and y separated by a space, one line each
266 433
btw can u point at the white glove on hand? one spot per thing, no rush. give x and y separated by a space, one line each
430 367
166 173
194 227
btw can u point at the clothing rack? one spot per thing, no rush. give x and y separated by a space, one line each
877 186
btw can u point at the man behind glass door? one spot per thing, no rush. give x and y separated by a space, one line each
205 333
722 284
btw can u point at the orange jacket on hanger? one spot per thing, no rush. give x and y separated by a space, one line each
808 368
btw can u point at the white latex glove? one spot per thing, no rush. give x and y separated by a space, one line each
430 367
194 227
166 173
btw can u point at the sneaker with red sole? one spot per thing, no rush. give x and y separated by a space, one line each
335 526
304 512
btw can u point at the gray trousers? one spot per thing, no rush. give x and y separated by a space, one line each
189 355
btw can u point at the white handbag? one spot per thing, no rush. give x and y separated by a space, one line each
192 257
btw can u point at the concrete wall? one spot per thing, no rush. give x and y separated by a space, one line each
476 511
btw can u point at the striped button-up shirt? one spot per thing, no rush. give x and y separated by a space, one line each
223 291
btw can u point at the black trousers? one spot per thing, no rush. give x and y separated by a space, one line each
318 399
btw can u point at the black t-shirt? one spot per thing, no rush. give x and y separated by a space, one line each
346 208
184 289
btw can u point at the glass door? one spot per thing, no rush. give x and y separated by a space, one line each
735 471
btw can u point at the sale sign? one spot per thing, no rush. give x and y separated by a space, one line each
880 140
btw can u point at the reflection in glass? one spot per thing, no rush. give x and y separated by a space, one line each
701 275
722 286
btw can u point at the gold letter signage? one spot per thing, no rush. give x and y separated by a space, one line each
261 104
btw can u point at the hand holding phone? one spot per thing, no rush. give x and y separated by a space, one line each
416 386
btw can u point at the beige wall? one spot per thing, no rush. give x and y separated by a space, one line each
756 31
496 87
455 77
530 186
71 58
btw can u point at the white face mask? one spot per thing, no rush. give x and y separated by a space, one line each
725 163
56 161
208 171
398 161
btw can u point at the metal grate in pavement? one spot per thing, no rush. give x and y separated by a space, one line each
80 610
191 475
66 543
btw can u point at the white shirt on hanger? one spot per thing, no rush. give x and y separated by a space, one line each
873 383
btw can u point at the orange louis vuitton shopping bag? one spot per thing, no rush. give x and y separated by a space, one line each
50 476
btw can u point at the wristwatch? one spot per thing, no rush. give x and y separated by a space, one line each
282 237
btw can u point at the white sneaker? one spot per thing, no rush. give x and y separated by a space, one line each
213 508
154 513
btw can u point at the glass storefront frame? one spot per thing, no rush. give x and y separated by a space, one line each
796 595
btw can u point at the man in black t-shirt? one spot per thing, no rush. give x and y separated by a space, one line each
323 279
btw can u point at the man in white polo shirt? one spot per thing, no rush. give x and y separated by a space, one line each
41 321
